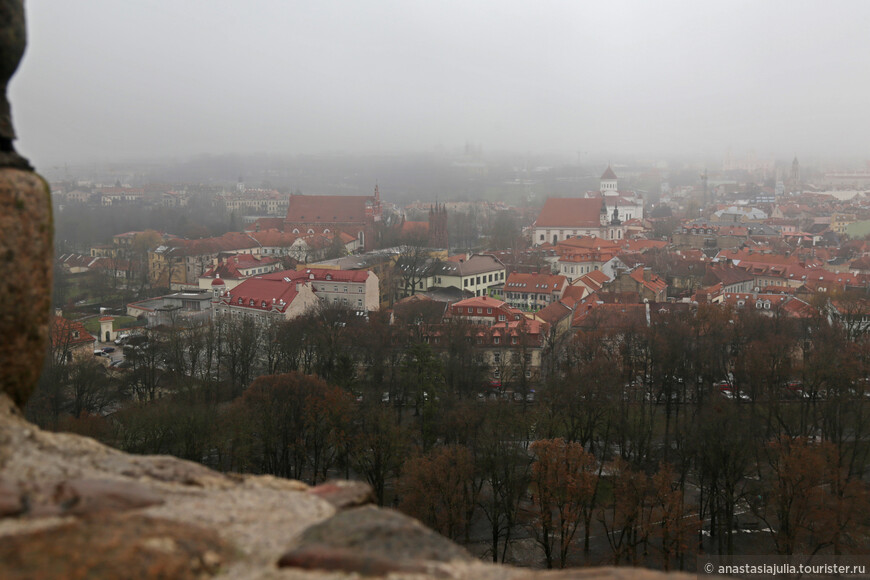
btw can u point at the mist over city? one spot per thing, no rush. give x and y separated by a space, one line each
573 284
109 81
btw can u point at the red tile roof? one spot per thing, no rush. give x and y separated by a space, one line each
232 266
320 275
313 209
68 333
570 212
536 283
654 284
482 302
262 294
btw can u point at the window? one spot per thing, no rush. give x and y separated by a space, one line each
513 340
528 358
496 356
489 310
496 340
480 310
359 290
501 318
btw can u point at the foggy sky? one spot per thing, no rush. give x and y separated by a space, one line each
108 79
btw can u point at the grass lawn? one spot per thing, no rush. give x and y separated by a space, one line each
92 325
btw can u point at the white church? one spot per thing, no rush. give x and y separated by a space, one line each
628 204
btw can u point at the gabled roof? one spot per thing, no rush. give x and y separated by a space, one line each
535 283
553 313
655 283
594 315
232 266
481 302
570 212
312 209
585 243
593 281
642 245
319 275
476 264
574 294
69 333
726 275
266 223
262 294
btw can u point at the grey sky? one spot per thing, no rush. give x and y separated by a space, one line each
109 79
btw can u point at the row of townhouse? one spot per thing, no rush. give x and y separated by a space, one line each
502 339
290 293
119 268
182 262
268 202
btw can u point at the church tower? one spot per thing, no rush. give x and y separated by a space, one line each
608 182
438 227
795 175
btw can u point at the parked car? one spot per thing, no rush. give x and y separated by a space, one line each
108 349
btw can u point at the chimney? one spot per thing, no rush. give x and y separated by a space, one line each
647 274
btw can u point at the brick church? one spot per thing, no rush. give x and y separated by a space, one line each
356 215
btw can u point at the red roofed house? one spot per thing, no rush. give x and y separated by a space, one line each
289 293
593 281
533 291
484 310
575 264
649 286
233 269
558 316
509 342
356 289
265 299
69 340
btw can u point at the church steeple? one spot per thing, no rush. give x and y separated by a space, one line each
609 182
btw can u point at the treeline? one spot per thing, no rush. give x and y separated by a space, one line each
663 437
